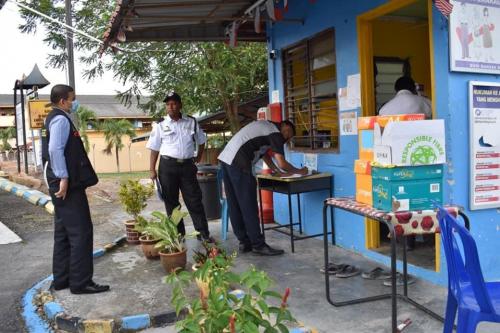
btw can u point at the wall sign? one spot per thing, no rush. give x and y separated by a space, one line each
484 140
475 36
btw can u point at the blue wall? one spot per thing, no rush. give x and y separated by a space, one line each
451 105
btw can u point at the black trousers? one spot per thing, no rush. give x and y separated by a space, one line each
176 176
241 192
72 262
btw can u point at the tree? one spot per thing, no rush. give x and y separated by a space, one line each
209 76
85 118
114 130
6 134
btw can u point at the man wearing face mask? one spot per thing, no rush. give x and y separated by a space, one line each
68 173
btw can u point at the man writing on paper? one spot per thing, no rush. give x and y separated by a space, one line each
238 159
406 100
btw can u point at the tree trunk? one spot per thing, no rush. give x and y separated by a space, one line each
231 108
117 159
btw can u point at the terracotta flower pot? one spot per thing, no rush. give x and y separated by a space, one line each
132 235
148 247
171 261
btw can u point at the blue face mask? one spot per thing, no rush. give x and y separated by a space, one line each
74 106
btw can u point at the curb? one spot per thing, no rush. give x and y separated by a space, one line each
34 197
55 313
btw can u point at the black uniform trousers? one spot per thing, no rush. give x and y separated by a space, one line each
72 262
241 193
175 176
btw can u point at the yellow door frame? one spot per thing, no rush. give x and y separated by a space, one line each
365 49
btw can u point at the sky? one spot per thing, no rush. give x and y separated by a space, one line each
20 52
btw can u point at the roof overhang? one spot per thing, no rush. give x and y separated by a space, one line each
180 20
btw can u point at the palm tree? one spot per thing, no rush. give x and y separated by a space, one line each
5 135
114 130
85 117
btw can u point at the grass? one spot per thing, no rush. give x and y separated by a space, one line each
124 175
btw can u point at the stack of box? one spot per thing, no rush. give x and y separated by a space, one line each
408 165
362 167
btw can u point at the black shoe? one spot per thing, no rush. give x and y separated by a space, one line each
245 247
266 250
91 288
60 286
206 238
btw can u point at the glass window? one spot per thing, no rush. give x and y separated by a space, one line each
311 92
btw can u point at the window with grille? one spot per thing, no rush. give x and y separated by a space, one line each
309 70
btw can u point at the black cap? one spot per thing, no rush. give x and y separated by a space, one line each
172 95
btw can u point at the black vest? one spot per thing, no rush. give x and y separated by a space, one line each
80 171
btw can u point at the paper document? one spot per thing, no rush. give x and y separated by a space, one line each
159 192
298 175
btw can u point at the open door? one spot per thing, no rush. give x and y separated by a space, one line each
395 40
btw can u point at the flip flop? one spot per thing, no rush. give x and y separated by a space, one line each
399 280
332 268
377 273
348 271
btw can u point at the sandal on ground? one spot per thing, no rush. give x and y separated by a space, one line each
332 268
399 280
377 273
348 271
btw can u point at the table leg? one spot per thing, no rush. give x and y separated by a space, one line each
331 213
290 219
405 268
261 209
300 215
393 278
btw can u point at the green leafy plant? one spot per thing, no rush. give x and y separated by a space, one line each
133 197
209 251
5 135
114 130
165 230
218 309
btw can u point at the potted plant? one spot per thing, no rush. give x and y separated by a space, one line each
171 243
133 196
250 308
147 240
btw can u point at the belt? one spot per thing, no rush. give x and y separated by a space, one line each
178 160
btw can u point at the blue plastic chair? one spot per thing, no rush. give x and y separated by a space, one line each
224 213
475 299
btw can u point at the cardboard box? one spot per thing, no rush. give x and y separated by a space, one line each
362 169
410 143
407 188
366 126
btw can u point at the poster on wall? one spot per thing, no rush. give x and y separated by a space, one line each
484 139
475 36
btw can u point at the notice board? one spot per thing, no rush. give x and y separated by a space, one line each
39 109
484 140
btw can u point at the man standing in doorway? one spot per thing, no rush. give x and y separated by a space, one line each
175 140
68 174
406 101
238 159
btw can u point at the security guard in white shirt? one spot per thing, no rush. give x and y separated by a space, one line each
406 100
175 139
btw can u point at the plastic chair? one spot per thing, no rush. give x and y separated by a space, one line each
224 213
475 299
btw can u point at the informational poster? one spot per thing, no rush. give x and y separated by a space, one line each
311 161
484 131
39 109
475 36
348 123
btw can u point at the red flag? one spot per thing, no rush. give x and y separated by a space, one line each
444 6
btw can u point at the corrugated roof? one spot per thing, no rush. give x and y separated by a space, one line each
105 106
175 20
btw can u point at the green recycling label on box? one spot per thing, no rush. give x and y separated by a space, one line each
407 188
